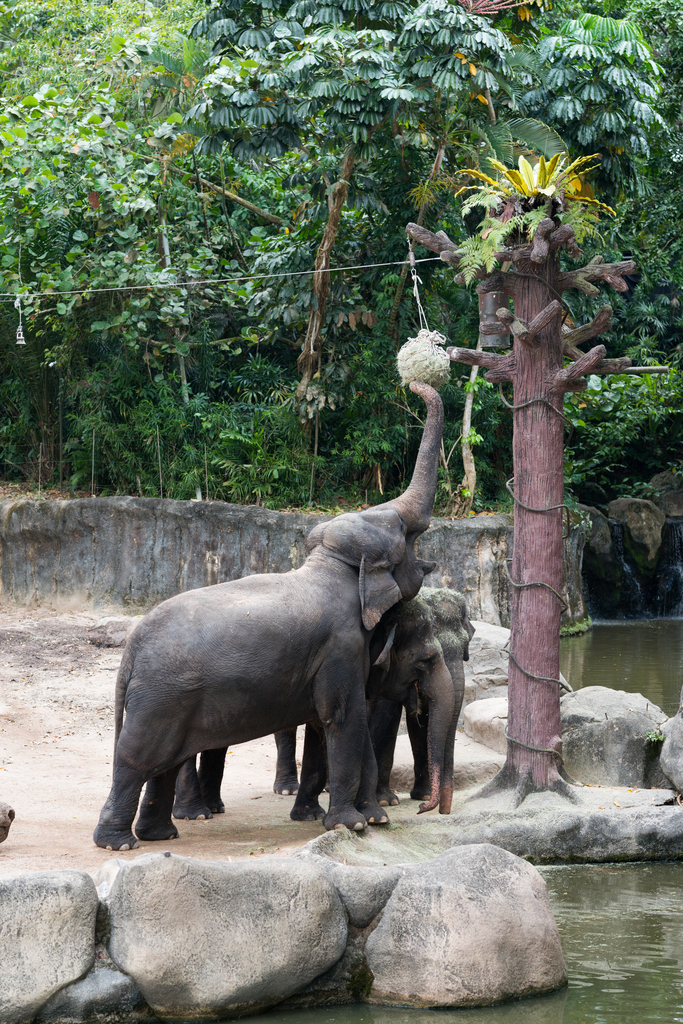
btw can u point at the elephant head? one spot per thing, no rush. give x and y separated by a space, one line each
381 541
411 664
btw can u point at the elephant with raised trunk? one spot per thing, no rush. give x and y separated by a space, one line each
225 664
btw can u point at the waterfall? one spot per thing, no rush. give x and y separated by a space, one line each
632 602
669 593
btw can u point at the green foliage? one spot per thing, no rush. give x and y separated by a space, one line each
187 352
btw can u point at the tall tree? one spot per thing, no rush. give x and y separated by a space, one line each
535 216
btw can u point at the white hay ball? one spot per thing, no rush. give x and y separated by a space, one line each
422 359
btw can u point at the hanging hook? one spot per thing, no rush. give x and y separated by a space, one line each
17 304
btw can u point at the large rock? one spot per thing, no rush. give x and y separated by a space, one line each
486 672
484 722
605 738
6 819
601 569
469 928
47 938
671 757
666 491
643 523
103 996
671 504
206 941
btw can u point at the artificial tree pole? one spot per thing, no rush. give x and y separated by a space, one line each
536 368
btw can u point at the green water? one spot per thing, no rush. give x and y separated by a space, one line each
636 655
622 936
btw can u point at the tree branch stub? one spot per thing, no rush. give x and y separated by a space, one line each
571 378
597 270
527 333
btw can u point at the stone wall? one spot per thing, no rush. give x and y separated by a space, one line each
136 552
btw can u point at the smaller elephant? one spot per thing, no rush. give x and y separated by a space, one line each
6 819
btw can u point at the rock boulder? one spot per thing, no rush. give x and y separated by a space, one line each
605 738
671 757
643 523
484 722
472 927
104 996
47 938
486 672
6 819
207 941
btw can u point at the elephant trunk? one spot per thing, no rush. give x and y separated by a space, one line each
416 503
441 714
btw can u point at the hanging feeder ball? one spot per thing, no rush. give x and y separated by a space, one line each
20 335
423 359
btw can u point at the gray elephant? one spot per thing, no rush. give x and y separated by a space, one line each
229 663
408 670
418 650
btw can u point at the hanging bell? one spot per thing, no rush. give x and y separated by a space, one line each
20 335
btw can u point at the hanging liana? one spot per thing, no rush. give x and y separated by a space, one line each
422 358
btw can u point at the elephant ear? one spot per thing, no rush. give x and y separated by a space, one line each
378 591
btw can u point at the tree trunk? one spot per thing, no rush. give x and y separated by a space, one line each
534 704
534 751
321 279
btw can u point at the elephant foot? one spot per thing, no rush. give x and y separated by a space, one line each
215 805
307 812
287 785
386 797
154 830
373 813
421 790
110 840
345 818
191 812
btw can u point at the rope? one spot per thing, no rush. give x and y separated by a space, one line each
521 586
416 291
542 401
54 294
539 750
529 508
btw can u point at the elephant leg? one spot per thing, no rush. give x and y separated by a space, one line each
189 803
366 800
115 828
154 821
211 768
339 697
286 779
313 776
384 718
418 731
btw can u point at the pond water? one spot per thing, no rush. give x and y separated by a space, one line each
622 936
637 655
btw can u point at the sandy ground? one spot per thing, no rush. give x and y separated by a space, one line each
56 743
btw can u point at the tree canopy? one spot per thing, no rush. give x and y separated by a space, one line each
180 182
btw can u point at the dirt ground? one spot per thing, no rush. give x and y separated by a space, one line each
57 674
